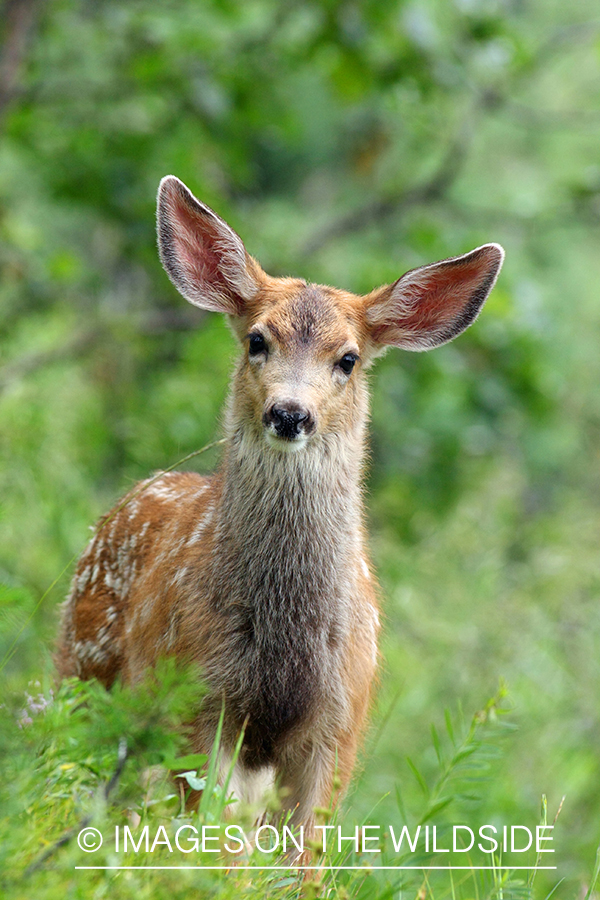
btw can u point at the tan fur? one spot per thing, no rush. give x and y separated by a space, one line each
260 572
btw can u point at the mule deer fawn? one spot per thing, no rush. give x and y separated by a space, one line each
259 573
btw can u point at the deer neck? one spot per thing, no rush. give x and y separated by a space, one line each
292 519
286 547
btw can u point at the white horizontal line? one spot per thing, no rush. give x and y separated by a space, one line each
339 868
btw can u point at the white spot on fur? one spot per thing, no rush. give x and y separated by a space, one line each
177 548
162 491
96 652
83 579
249 787
198 531
133 507
98 547
365 569
179 576
169 637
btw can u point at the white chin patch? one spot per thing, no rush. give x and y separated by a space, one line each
283 444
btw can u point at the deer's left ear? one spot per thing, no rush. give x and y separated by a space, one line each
433 304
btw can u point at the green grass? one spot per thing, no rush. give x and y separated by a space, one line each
84 758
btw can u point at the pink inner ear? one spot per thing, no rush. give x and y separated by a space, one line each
443 293
199 264
194 240
433 304
204 258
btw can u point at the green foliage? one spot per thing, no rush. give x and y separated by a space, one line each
80 759
347 142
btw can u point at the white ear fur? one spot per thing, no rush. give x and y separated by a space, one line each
433 304
204 258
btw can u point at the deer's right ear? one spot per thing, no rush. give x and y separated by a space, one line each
204 258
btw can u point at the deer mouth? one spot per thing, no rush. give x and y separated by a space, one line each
286 444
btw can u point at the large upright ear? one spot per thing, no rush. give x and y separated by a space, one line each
204 258
433 304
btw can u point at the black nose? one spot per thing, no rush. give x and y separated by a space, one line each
289 419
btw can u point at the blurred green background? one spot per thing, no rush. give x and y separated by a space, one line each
346 142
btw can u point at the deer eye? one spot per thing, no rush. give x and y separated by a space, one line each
256 344
347 361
